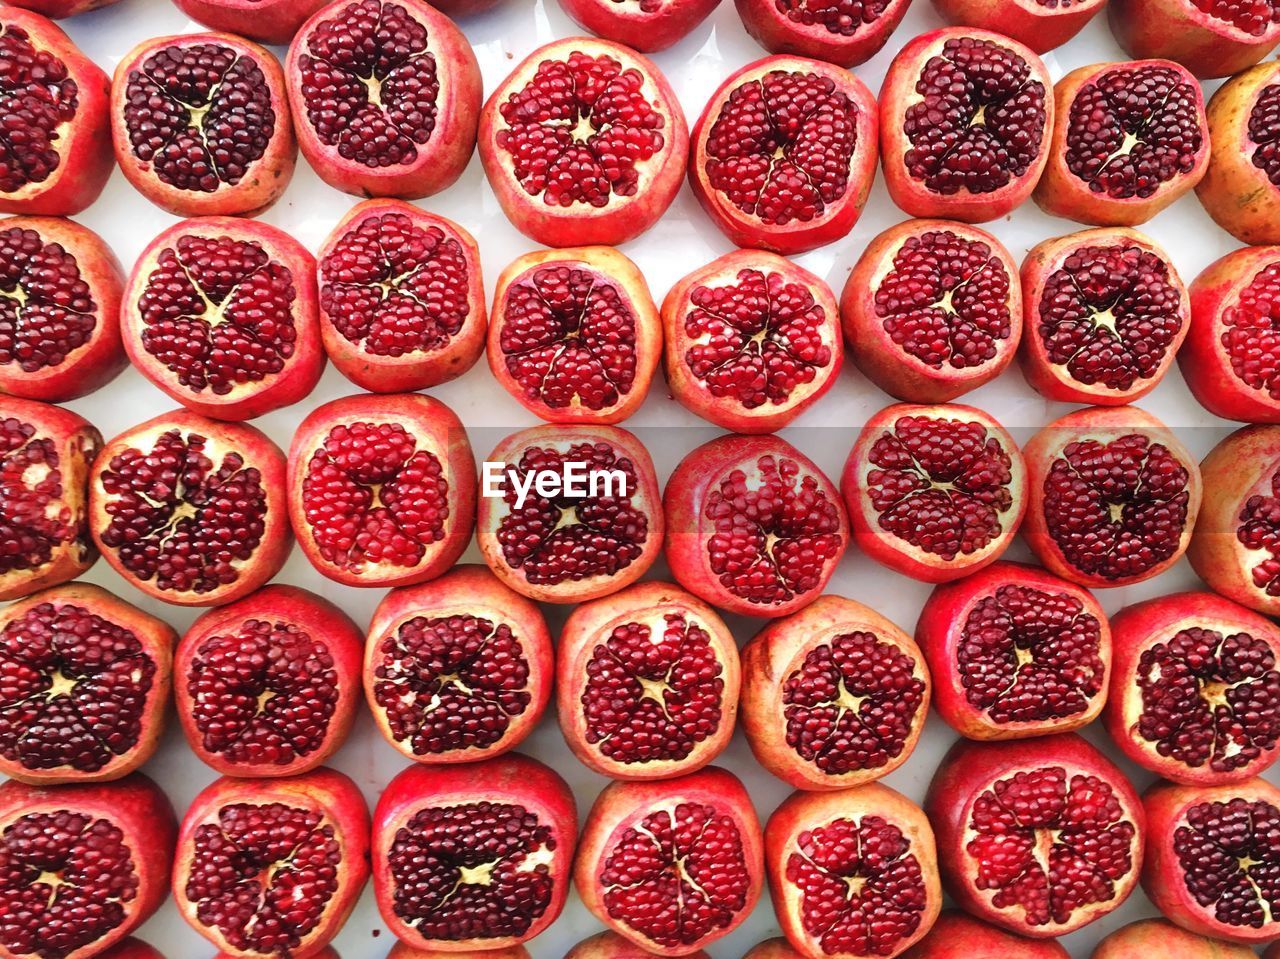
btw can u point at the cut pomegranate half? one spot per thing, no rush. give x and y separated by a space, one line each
1042 25
784 154
1241 188
843 32
957 935
644 25
61 9
751 340
1211 38
753 526
833 696
266 21
932 310
458 669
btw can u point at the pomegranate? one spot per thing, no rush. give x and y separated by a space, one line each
609 945
272 867
833 696
1042 25
751 340
1241 188
137 949
784 154
475 856
1015 652
575 335
61 9
1105 313
932 310
1128 140
845 33
84 865
965 117
777 948
385 96
934 492
644 25
266 21
674 865
754 527
1213 854
959 936
852 873
403 950
45 456
60 290
457 669
1038 836
1160 937
647 683
1211 38
57 140
584 142
269 685
1113 496
191 510
1195 690
401 299
382 489
563 547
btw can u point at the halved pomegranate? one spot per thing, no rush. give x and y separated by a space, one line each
1195 689
1042 25
84 865
56 155
191 510
932 310
1105 315
845 32
45 457
272 867
965 117
1128 140
959 936
220 313
60 9
1113 496
934 492
1211 38
1148 937
644 25
784 154
559 546
1015 652
475 856
833 696
751 340
269 685
401 297
458 669
647 683
753 526
584 142
672 865
402 950
385 96
852 873
267 21
1213 855
1038 836
1241 188
60 290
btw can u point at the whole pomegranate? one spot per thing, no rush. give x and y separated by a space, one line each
784 154
647 682
402 950
266 21
833 696
610 945
845 33
1148 937
673 865
457 669
753 526
647 26
1211 38
959 936
777 948
132 948
934 492
932 310
1042 25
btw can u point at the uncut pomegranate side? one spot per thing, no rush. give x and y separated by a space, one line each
137 949
647 26
1042 25
957 935
610 945
60 9
1211 38
777 948
1148 937
845 33
402 950
267 21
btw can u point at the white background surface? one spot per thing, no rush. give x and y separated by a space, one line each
683 240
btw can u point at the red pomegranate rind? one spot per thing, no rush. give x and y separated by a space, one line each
1211 38
777 948
672 865
1015 652
932 310
1149 935
1112 496
402 304
45 457
475 856
60 9
644 25
137 949
784 154
965 117
1042 25
272 867
584 142
269 685
402 950
458 669
851 873
83 865
191 510
1106 313
833 696
959 936
1241 188
57 151
220 313
1128 139
843 32
606 945
266 21
751 341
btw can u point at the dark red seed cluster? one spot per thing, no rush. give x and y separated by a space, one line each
843 17
1264 131
47 310
1229 853
1259 529
32 525
1251 332
1254 17
37 96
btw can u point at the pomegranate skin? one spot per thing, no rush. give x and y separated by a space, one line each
1161 937
776 31
610 945
61 9
402 950
1179 30
1031 22
137 949
957 935
266 21
773 949
631 25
